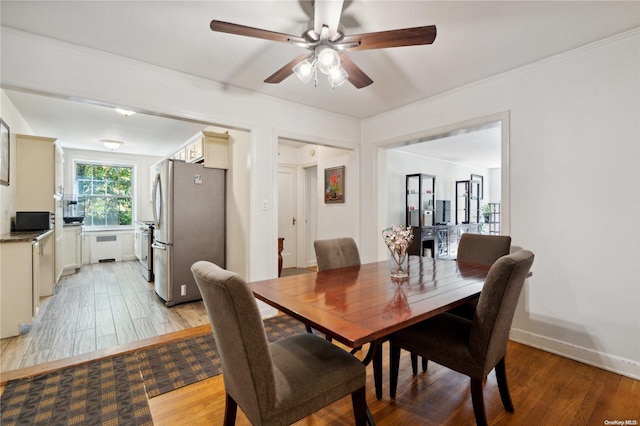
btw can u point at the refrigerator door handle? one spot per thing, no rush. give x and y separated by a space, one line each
157 201
159 247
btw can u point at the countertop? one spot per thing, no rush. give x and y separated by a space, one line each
22 237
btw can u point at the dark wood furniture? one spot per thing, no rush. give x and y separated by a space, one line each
280 248
467 201
420 201
360 304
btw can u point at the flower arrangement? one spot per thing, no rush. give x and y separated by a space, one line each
334 184
398 239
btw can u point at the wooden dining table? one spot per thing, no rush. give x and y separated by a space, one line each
361 304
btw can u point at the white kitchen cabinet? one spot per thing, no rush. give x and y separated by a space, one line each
72 244
216 150
40 185
21 287
46 265
209 147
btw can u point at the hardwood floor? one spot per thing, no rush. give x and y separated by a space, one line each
546 389
102 306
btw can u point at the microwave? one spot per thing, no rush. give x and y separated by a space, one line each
33 221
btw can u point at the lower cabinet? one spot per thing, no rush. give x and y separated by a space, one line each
27 273
17 292
72 249
46 281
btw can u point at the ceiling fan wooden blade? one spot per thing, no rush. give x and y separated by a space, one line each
227 27
393 38
286 71
357 77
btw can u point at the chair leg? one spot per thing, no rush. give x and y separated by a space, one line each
359 400
414 363
477 398
394 366
230 410
309 330
503 386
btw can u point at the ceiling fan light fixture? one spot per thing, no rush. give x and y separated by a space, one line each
305 69
337 77
328 59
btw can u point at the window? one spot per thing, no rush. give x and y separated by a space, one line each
108 192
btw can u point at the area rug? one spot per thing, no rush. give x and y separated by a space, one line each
106 392
114 391
168 367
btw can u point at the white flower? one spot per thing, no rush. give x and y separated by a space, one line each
397 238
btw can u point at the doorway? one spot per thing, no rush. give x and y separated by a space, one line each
287 212
458 152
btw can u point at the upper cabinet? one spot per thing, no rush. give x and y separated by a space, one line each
38 179
216 150
206 147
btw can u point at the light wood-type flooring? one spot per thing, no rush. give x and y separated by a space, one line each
101 306
546 389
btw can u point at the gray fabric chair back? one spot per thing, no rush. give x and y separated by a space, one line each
496 307
247 368
483 249
336 253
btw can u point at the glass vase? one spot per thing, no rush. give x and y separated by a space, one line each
399 266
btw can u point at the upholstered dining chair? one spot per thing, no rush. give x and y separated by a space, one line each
474 347
336 253
273 383
481 250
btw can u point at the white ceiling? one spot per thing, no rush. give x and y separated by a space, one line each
475 40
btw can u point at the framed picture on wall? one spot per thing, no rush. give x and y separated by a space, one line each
4 153
334 185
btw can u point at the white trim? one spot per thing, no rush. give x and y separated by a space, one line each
623 366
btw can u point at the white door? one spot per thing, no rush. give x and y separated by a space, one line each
287 221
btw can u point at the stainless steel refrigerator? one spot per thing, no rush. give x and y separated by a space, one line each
189 216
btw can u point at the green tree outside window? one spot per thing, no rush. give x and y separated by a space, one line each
108 192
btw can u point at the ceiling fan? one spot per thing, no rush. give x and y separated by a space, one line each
328 43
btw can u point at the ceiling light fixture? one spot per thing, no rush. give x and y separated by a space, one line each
110 144
324 58
125 112
327 61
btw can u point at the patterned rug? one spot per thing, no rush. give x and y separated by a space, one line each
168 367
112 391
106 392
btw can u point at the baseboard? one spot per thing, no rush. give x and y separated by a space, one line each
623 366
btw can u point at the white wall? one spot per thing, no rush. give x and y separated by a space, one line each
574 159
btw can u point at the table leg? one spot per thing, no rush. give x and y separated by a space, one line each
375 354
377 369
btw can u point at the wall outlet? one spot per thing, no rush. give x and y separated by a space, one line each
183 290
